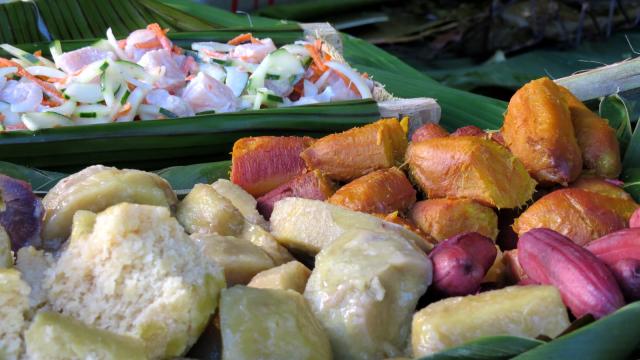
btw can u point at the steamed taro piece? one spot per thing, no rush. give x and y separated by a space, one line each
597 140
290 276
578 214
381 192
95 189
348 155
538 130
14 313
20 212
444 218
311 185
364 289
429 131
204 210
261 164
470 167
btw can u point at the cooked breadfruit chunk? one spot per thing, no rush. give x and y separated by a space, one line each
290 276
14 303
53 336
364 289
269 324
33 264
6 256
526 311
239 258
263 239
133 270
309 225
203 210
242 200
96 188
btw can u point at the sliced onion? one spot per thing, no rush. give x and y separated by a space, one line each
353 76
213 46
46 71
114 43
66 109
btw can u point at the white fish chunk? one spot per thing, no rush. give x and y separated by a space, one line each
205 93
23 96
163 62
72 61
164 99
253 52
139 37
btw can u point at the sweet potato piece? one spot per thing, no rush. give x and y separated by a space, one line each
602 186
312 185
348 155
382 191
446 218
578 214
597 140
429 131
470 167
261 164
469 130
538 130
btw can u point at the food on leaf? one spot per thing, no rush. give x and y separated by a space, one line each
461 263
364 303
470 167
240 259
586 284
311 185
597 140
429 131
445 218
525 311
203 210
20 212
270 324
578 214
14 297
95 189
348 155
538 130
133 270
261 164
379 192
310 225
290 276
242 200
55 336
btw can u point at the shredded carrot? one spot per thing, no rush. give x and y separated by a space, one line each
122 43
188 64
125 109
55 80
130 86
348 82
242 38
38 53
161 35
365 75
177 49
48 89
1 117
48 102
153 43
316 57
215 54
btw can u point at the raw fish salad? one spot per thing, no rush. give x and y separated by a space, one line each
147 77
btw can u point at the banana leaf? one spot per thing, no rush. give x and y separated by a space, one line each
487 348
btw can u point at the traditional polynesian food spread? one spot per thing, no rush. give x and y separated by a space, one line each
364 244
147 77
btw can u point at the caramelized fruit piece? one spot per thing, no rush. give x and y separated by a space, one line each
578 214
311 185
261 164
602 186
20 212
527 311
597 140
395 218
538 130
358 151
444 218
429 131
470 167
514 273
382 191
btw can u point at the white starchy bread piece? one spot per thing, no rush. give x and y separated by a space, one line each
6 255
364 289
290 276
269 324
33 264
53 336
309 225
133 270
263 239
242 200
239 258
203 210
525 311
14 305
95 189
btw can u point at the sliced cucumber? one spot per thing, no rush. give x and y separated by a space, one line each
55 49
110 82
21 54
135 99
167 113
92 111
38 70
66 109
84 93
90 72
130 69
214 70
44 120
272 77
236 80
221 62
102 44
279 62
267 98
125 97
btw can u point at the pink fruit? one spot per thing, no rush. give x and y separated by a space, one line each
20 212
627 272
